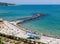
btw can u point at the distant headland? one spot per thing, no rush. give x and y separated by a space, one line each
6 4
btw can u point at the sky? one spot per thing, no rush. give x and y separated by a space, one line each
32 1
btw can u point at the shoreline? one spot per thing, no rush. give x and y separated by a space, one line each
58 37
38 33
21 32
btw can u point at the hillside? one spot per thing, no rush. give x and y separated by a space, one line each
6 4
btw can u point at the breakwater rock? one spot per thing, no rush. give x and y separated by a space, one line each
30 18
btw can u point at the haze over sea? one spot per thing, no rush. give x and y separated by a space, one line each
48 24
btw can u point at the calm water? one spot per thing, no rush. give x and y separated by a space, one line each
49 24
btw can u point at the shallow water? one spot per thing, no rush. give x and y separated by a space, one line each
49 24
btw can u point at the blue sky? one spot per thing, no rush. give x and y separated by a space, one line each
32 1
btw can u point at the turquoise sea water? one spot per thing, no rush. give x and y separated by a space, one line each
49 24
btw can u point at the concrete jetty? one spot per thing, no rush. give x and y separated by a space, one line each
29 18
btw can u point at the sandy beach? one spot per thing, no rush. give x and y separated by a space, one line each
10 29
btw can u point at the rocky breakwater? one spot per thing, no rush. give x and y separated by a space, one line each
30 18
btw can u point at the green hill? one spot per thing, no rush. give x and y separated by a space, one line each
6 4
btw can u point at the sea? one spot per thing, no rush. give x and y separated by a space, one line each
48 24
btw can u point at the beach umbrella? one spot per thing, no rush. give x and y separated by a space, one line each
32 35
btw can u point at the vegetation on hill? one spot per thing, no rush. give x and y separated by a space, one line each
5 4
1 42
16 40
